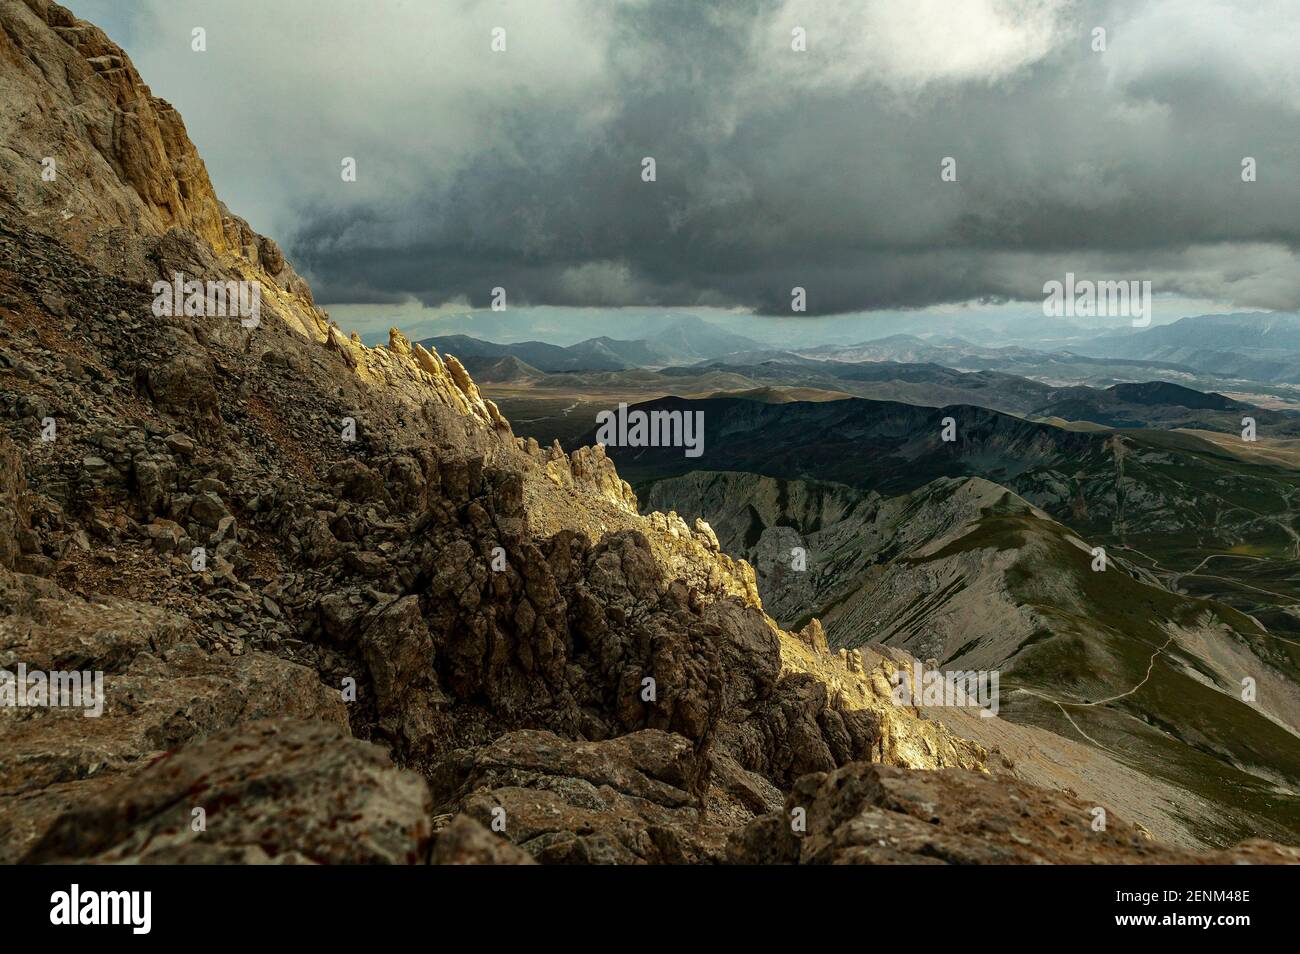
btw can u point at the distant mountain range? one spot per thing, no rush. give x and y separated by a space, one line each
686 340
784 376
1261 346
1252 354
1144 404
1053 366
1198 351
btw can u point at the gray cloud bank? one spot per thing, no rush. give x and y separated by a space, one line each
775 168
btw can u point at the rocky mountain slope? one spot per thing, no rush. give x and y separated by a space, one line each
967 574
345 615
1209 514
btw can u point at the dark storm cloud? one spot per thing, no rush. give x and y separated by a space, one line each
818 169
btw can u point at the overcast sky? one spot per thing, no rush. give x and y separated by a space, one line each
775 168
